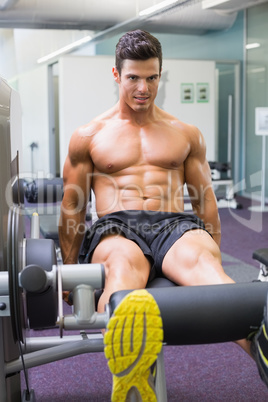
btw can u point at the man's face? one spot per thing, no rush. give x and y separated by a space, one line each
138 83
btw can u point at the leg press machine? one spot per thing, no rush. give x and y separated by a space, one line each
32 281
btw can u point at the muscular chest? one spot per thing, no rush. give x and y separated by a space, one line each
122 147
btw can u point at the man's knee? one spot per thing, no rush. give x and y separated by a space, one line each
205 257
192 259
202 246
117 264
123 261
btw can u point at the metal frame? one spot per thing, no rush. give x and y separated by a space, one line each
42 350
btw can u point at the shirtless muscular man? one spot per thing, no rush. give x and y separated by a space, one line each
137 158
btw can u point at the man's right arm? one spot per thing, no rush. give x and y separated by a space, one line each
76 180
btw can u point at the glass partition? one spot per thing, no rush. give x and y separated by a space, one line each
257 94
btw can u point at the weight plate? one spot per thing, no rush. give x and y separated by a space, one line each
15 251
42 308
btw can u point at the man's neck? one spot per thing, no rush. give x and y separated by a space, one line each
140 118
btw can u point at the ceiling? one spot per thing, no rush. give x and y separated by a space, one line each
52 25
185 16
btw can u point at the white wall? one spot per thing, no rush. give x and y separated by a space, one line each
8 66
201 114
16 128
33 91
87 89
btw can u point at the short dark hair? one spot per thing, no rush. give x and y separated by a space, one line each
137 45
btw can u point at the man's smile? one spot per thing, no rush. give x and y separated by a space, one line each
141 98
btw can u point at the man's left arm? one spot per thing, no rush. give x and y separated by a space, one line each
199 184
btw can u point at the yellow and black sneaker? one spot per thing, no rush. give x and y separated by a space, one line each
133 341
259 347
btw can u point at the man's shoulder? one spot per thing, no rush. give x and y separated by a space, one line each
96 124
186 128
190 132
81 139
105 118
89 129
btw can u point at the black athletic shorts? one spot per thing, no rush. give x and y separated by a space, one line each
154 232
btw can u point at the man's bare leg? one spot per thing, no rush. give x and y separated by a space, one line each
134 333
195 259
125 265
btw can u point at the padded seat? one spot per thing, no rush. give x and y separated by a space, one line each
261 255
207 314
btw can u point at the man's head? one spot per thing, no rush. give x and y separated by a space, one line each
137 45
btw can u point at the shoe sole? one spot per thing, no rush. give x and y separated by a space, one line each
132 344
261 353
